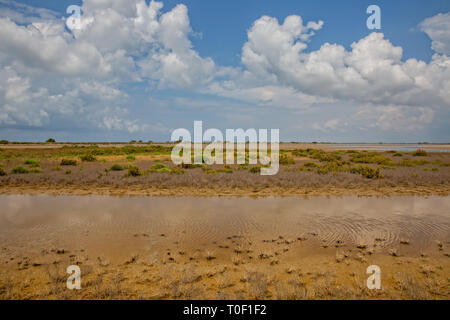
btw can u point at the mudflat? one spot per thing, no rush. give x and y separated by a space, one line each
224 247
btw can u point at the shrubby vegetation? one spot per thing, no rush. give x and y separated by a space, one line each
68 162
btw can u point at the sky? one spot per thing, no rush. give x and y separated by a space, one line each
135 69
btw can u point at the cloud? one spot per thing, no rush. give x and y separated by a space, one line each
372 72
438 29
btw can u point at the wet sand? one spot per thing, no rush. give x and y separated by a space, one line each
224 247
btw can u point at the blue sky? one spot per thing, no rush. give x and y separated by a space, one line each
389 85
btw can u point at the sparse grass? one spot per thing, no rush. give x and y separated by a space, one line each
370 157
255 169
68 162
116 167
134 171
31 163
19 170
36 170
88 158
131 157
420 153
397 154
286 159
2 172
411 163
366 171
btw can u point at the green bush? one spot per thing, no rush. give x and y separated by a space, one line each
32 163
88 157
191 165
134 171
411 163
366 171
68 162
255 169
310 164
334 166
420 153
131 157
285 159
4 141
116 167
370 157
159 166
2 172
19 170
397 154
51 140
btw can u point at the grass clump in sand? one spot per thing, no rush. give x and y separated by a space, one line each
255 169
420 153
411 163
2 172
286 160
163 168
32 163
116 167
334 166
88 157
370 157
397 154
131 157
134 171
367 172
68 162
19 170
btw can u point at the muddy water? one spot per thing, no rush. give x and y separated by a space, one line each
116 226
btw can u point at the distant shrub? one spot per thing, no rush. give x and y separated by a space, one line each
116 167
397 154
68 162
191 165
411 163
420 153
159 166
226 169
4 141
32 163
19 170
334 166
51 140
134 171
2 172
310 164
255 169
36 170
208 170
370 157
176 171
131 157
366 171
88 157
285 159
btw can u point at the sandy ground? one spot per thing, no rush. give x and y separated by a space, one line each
137 190
224 248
